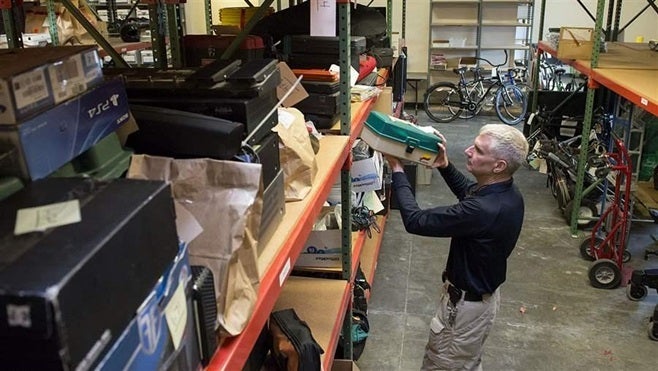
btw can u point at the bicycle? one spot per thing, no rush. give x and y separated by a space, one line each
444 101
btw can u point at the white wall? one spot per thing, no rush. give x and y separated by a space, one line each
570 13
558 13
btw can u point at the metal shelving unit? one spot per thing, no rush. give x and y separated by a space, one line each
478 28
276 288
633 84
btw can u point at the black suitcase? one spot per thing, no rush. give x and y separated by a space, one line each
223 80
248 111
321 44
320 104
383 56
321 87
321 122
322 61
179 134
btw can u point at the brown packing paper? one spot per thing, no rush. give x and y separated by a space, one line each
70 31
225 198
296 154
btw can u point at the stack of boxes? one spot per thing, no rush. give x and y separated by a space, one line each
54 105
84 283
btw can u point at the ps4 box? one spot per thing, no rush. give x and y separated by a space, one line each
35 79
163 334
45 142
77 258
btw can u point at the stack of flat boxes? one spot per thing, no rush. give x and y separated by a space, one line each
54 105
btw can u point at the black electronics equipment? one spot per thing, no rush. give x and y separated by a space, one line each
205 311
321 87
321 44
180 134
248 111
254 71
322 122
322 61
266 152
400 76
305 51
246 94
214 72
320 104
88 277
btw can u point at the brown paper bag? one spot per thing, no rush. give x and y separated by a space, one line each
296 154
70 31
225 198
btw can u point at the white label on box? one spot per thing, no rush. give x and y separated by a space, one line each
67 78
19 316
40 218
284 272
323 18
176 315
29 88
147 56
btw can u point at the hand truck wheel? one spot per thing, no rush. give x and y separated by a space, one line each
585 250
604 274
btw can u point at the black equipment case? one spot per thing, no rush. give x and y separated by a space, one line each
179 134
320 104
68 291
321 44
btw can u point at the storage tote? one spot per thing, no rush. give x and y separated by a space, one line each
400 138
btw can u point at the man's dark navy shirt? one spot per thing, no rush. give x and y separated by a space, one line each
484 226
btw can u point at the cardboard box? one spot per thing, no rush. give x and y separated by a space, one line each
162 333
323 247
367 174
424 175
67 291
344 365
575 43
35 79
49 140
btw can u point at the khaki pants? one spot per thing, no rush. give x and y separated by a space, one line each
458 346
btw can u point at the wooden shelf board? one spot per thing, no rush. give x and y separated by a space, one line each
322 304
513 23
637 85
370 250
455 22
454 1
465 47
357 245
281 252
508 1
501 47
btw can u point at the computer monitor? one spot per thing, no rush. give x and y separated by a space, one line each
180 134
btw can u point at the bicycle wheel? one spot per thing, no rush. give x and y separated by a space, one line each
511 104
443 102
475 92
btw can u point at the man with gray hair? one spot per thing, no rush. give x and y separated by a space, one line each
483 226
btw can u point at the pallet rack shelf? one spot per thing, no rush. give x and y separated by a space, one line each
276 290
626 69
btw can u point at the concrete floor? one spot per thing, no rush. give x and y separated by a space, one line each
550 317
